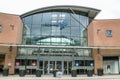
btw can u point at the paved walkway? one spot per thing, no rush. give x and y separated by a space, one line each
65 77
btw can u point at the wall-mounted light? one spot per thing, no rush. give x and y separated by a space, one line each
34 64
10 48
98 50
9 64
17 63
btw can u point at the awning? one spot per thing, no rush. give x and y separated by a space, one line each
72 47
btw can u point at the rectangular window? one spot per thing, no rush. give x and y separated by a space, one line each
0 28
109 33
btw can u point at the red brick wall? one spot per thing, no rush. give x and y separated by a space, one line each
98 29
9 34
97 37
9 57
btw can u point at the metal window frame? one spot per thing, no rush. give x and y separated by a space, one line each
109 33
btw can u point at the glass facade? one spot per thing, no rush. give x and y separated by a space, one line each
53 34
55 28
54 52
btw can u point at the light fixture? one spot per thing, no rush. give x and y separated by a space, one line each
34 64
98 50
77 64
91 64
17 63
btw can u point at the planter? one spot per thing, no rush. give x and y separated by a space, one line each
73 73
38 73
100 72
22 73
5 72
89 73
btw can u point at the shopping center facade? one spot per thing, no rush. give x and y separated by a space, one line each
59 37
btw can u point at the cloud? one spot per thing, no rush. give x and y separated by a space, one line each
109 8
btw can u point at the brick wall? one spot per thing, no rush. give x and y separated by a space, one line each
97 33
11 29
9 57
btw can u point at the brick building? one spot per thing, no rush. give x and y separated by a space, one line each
104 34
59 37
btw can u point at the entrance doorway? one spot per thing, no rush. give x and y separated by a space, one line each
2 60
50 66
110 65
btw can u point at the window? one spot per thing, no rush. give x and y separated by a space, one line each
108 33
0 28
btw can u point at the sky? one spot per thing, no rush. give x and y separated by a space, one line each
110 9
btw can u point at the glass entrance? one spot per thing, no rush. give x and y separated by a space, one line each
50 66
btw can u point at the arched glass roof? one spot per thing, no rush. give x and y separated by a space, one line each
56 22
90 12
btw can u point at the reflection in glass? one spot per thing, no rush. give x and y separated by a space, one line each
55 28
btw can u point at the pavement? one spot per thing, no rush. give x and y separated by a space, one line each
64 77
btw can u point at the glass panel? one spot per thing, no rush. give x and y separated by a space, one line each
108 33
75 20
66 32
46 31
37 19
84 20
35 30
75 31
28 20
40 26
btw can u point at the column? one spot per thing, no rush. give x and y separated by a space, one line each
63 66
43 68
48 70
67 68
73 61
55 64
37 62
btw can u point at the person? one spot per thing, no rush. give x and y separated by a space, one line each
108 69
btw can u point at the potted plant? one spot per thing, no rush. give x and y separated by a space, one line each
22 71
90 71
5 71
100 71
54 72
38 72
73 72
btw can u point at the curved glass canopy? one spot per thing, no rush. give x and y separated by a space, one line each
57 26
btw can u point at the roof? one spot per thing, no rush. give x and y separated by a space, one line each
89 11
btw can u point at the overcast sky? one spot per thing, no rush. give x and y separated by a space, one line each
110 9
